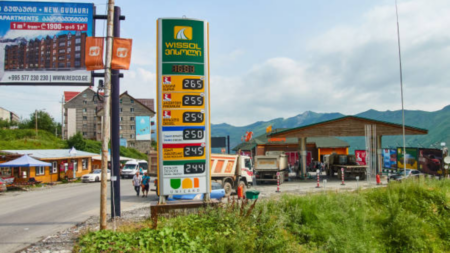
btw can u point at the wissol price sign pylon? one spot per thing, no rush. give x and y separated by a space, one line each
183 107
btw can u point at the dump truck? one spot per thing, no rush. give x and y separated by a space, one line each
334 164
267 166
231 171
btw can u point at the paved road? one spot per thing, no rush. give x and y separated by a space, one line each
27 217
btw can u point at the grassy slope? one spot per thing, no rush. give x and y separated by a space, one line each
404 217
27 139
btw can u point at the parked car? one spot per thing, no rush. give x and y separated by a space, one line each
400 175
217 192
2 185
95 176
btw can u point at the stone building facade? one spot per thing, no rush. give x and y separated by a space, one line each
83 114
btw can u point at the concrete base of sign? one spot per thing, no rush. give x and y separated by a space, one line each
176 207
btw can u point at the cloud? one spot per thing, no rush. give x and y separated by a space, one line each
350 69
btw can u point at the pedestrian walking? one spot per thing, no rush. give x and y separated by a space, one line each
137 183
145 184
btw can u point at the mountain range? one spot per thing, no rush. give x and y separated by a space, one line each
437 123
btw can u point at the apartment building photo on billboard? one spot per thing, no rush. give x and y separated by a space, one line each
44 43
62 52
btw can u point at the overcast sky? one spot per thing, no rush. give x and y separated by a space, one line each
273 59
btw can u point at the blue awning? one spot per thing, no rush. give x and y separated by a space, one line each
25 161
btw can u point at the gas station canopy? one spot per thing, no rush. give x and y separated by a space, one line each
347 126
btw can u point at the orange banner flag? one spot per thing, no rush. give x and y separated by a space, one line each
269 129
94 53
121 53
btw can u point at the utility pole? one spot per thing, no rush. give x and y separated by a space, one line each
62 117
115 128
35 121
106 114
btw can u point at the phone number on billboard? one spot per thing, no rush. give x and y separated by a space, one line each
30 77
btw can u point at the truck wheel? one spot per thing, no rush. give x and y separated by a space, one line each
228 188
363 176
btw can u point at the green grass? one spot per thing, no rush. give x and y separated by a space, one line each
403 217
27 139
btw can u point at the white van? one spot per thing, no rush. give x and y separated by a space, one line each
133 166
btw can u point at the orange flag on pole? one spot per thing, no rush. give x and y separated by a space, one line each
94 53
269 129
121 53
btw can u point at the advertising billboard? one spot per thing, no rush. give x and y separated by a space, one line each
386 158
43 43
361 157
143 128
411 158
183 132
430 161
393 158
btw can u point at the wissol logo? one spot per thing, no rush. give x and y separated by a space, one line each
167 79
167 97
167 114
183 32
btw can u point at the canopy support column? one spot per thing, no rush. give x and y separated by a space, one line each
379 154
302 152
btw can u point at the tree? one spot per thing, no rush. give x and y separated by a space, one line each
77 141
44 122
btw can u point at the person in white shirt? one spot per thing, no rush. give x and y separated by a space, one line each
137 179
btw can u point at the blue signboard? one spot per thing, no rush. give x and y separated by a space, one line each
44 42
143 128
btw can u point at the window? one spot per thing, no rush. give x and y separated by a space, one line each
132 101
84 117
84 102
131 118
77 63
120 101
84 95
54 167
131 136
120 127
131 144
121 119
84 125
5 171
121 136
40 171
132 127
84 134
77 56
85 164
120 109
84 110
78 40
131 109
68 64
77 48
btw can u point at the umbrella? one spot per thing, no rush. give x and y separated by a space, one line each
25 161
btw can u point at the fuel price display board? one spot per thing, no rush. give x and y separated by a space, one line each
183 106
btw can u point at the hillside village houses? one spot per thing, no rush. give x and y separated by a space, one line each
83 113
